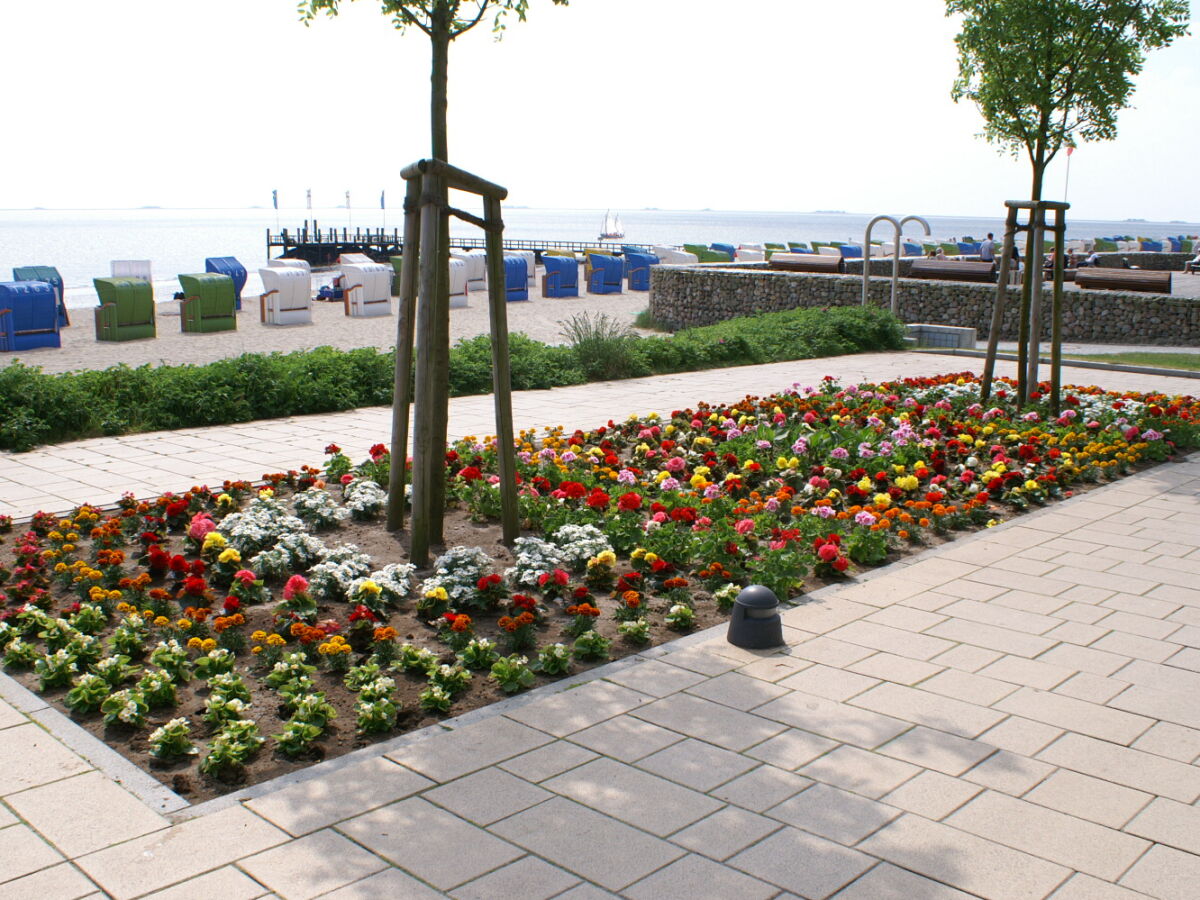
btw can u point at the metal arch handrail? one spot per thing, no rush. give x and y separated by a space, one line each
899 227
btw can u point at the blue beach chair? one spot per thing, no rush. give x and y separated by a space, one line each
561 278
50 275
28 316
850 251
228 265
638 270
607 272
516 279
725 248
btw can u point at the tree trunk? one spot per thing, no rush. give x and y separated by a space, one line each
440 349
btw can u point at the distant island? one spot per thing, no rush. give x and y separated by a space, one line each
1133 220
830 212
149 207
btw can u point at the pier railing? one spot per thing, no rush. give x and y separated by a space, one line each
322 247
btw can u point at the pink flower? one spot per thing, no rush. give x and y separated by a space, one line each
200 526
297 584
347 478
245 576
744 526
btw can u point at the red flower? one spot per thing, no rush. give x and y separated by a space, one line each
827 552
523 601
488 582
232 605
193 586
597 499
362 614
630 501
470 473
178 564
332 449
377 452
572 490
841 564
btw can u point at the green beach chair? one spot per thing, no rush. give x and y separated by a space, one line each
126 311
1103 246
209 304
50 275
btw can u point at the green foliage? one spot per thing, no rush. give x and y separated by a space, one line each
591 645
512 673
88 692
172 740
41 408
603 346
235 743
1045 72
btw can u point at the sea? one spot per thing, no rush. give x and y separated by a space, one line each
81 243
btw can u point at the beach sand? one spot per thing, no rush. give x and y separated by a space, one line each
538 317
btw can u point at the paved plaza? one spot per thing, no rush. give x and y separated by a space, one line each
1010 715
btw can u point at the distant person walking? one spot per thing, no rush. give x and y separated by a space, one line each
987 250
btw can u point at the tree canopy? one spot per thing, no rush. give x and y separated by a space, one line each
1045 73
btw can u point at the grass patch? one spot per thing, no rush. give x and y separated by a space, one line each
646 321
1188 361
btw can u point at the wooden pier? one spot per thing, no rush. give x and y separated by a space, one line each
323 247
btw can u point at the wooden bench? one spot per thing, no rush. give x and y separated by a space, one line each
808 262
1100 279
953 270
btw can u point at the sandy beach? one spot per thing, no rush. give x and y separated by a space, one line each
538 317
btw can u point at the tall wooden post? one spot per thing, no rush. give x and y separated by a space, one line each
1060 243
405 330
501 376
428 459
989 366
1037 276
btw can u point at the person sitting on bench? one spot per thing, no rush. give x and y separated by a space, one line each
1192 266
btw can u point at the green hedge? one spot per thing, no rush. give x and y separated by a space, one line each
38 408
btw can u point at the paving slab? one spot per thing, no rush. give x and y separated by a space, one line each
963 860
312 865
631 795
588 843
1083 846
422 839
803 863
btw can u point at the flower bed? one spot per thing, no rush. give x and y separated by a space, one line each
222 637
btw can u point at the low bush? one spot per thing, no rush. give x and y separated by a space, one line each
38 408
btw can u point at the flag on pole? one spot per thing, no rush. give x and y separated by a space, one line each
347 199
275 199
382 203
309 193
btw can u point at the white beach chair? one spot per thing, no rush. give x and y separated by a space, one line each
354 259
286 297
669 256
367 289
131 268
290 264
829 251
751 254
476 261
458 283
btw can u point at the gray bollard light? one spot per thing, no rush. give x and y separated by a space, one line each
754 623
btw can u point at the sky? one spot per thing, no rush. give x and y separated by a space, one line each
789 105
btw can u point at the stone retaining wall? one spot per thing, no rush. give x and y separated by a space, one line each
686 296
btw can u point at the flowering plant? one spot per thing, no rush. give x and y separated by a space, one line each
512 673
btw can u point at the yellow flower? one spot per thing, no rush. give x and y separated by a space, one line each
194 643
698 482
258 636
125 608
438 593
228 555
68 548
266 494
651 558
213 541
1031 485
639 553
162 622
224 500
208 645
275 640
882 501
864 483
183 624
256 649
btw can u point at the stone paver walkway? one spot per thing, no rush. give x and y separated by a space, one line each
1011 715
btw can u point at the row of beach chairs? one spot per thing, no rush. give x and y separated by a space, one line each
33 312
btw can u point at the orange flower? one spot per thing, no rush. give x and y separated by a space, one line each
632 599
386 633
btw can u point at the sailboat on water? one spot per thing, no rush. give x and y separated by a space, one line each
612 229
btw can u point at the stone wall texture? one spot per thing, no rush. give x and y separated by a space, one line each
687 296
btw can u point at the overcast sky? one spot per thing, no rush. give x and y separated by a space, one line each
678 104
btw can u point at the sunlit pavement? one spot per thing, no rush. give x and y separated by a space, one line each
1011 715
